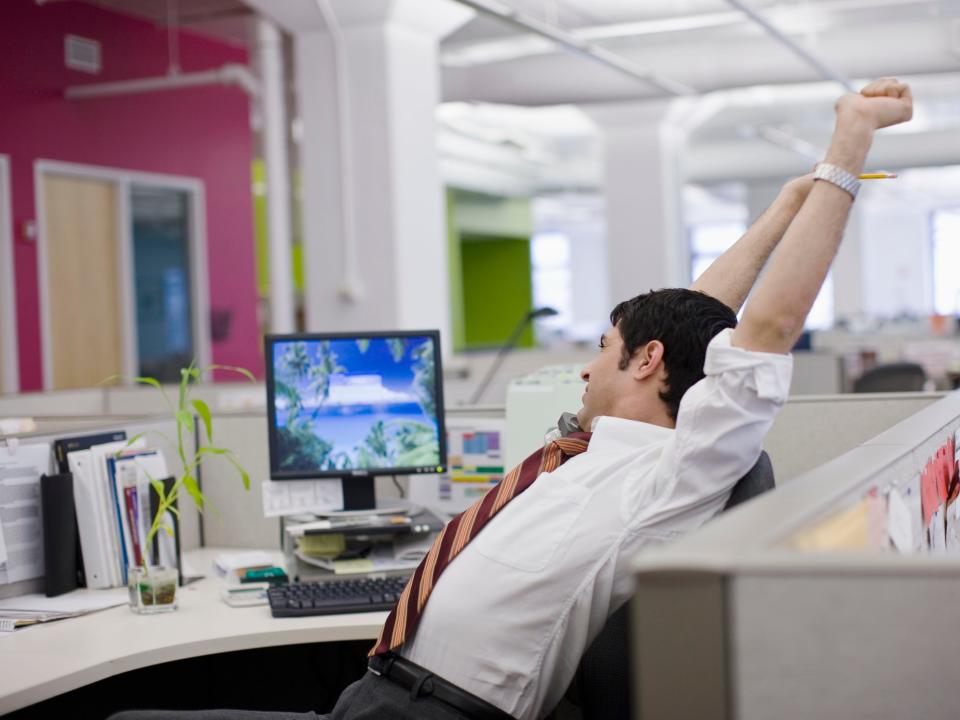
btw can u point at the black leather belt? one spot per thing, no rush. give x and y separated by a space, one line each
423 683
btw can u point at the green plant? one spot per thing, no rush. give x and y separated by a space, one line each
185 479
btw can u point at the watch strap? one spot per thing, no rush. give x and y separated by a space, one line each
836 175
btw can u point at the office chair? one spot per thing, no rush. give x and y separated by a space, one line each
601 686
894 377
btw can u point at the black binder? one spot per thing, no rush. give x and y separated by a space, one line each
59 533
65 446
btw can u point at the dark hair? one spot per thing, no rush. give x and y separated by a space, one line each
685 321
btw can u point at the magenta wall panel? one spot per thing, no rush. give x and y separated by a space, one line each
199 132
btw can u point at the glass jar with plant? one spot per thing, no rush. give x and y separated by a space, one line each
153 587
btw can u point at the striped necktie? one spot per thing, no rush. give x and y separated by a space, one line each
403 619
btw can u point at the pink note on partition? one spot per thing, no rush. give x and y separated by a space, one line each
929 501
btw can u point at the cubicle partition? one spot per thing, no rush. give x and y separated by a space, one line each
736 622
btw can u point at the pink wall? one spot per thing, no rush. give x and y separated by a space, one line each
201 132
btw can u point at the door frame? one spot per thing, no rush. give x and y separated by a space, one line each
122 181
10 377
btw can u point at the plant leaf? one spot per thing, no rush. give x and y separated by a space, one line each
167 529
185 375
136 437
203 410
233 368
185 418
158 487
153 382
210 450
229 455
244 475
190 483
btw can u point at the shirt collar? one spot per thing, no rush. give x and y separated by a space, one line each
613 433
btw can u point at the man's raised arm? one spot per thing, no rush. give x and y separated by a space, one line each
731 276
778 309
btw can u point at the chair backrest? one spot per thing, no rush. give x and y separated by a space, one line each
894 377
602 683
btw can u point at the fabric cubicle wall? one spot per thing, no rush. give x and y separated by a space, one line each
772 631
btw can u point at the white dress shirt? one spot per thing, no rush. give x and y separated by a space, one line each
511 616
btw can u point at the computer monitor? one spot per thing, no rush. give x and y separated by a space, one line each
355 405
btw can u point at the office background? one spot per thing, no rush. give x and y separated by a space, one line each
178 178
450 172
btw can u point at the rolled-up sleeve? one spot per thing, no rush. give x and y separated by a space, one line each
721 426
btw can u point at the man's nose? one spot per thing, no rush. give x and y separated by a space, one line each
585 373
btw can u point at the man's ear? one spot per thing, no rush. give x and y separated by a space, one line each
648 360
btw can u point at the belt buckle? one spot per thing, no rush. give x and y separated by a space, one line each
388 658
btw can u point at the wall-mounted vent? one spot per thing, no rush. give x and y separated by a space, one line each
81 53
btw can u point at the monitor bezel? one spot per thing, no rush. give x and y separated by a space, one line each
275 474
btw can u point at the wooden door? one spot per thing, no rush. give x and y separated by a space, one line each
81 241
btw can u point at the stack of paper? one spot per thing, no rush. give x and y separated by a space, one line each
404 553
21 525
30 609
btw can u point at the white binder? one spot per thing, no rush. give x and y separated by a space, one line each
97 513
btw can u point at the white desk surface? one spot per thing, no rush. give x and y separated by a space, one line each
45 660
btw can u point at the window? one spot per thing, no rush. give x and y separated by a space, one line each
946 260
710 240
552 278
161 253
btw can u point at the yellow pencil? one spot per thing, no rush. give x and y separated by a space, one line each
877 176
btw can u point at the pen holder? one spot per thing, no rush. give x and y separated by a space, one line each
152 590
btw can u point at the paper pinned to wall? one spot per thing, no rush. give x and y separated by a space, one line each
21 523
846 530
474 466
901 523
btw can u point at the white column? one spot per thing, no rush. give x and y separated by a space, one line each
374 243
760 196
642 183
589 269
848 280
274 112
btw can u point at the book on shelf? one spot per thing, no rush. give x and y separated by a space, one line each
115 505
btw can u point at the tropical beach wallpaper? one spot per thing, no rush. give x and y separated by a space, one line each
347 404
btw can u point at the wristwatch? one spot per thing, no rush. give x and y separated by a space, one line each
839 177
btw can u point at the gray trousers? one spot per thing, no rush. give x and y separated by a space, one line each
370 698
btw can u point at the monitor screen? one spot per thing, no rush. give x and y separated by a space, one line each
361 404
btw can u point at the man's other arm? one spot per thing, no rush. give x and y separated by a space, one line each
775 316
731 276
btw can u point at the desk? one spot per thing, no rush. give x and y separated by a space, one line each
43 661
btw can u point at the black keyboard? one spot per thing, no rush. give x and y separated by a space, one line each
332 597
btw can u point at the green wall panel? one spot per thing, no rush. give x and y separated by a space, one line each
261 232
497 288
260 227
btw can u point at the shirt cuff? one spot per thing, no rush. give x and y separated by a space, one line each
770 372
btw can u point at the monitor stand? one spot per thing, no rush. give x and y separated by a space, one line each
358 493
359 498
